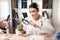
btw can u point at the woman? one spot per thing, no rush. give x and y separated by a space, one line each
37 24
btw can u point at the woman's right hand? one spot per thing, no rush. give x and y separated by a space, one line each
35 25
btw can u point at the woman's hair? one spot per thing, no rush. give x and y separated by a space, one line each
34 5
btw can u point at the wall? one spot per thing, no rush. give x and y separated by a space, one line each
56 14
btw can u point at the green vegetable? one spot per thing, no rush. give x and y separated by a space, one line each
20 27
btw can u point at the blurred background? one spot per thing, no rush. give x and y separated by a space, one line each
12 10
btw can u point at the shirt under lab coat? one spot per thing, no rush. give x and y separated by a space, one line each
43 22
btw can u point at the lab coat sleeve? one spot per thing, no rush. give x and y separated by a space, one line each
47 27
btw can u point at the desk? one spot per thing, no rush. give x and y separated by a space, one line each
15 37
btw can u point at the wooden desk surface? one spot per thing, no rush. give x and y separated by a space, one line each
15 37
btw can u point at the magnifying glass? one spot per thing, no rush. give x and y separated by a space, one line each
25 21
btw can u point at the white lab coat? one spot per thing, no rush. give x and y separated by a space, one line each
43 22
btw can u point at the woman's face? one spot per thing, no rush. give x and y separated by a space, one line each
33 12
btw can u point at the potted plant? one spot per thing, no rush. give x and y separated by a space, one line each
20 29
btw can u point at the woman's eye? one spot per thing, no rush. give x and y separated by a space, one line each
31 11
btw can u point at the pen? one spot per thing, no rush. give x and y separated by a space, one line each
41 23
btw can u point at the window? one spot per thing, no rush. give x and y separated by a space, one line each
4 9
17 3
24 3
47 4
24 15
24 0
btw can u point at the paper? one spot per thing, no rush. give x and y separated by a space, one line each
36 37
2 36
